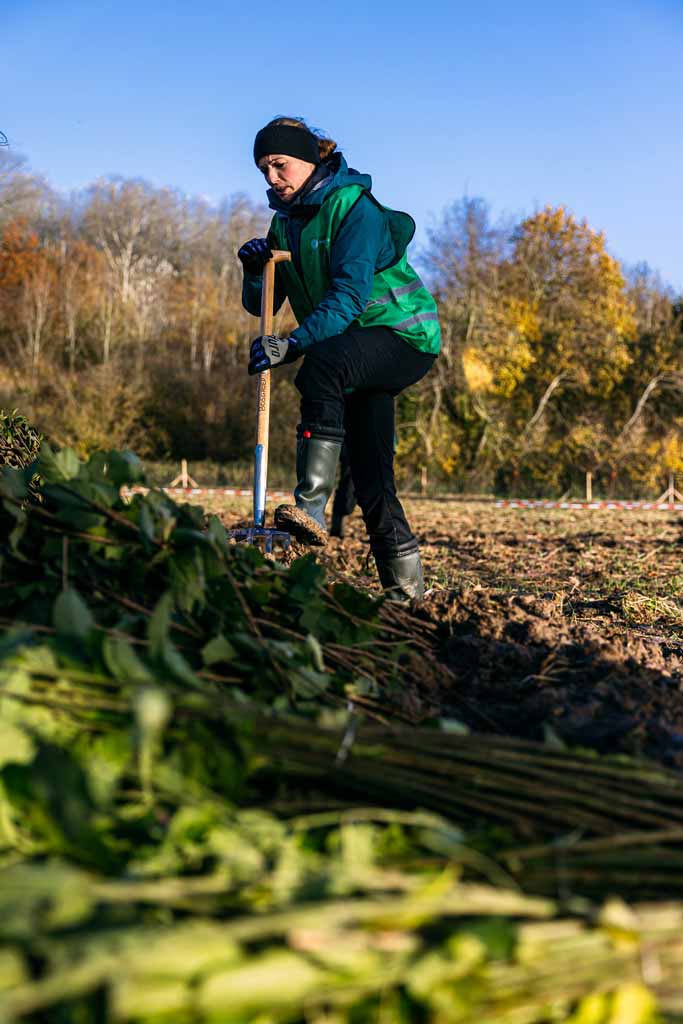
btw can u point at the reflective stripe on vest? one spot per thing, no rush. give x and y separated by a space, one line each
419 318
393 293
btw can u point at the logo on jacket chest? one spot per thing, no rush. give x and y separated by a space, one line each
318 243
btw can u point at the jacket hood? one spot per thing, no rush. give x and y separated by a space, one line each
331 175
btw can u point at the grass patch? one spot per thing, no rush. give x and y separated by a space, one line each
651 609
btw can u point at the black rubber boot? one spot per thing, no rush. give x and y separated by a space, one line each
316 470
401 575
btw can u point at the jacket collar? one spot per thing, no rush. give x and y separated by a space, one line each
327 177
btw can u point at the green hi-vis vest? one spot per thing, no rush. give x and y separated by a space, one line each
398 299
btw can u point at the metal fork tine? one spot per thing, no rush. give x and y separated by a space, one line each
257 534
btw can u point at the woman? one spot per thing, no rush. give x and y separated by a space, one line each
368 328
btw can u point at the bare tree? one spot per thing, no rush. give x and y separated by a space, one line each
22 194
130 221
37 303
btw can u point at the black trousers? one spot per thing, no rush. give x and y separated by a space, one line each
348 384
345 494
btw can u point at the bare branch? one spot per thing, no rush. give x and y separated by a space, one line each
541 407
673 381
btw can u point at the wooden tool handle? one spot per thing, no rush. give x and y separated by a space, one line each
267 301
268 292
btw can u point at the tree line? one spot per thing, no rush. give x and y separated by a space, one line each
121 324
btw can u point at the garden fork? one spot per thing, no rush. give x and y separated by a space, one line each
259 533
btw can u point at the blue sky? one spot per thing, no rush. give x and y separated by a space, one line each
523 103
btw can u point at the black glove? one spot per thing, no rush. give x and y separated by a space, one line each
254 254
268 351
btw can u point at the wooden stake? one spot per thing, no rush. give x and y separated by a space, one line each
671 495
589 486
183 479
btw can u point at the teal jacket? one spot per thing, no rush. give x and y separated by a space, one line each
363 245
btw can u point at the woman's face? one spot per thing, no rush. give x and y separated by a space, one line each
285 174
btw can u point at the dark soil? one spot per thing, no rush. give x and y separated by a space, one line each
555 625
524 668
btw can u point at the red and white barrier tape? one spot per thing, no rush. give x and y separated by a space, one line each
616 506
228 492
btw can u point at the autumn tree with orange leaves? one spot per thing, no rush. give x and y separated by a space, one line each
542 335
121 318
28 277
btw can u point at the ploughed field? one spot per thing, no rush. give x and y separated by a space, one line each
556 625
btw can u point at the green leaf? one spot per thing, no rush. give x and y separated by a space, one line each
633 1004
591 1010
179 667
13 971
38 660
159 624
53 799
17 534
160 646
362 606
68 463
275 980
16 746
186 572
71 505
150 998
13 483
123 662
106 758
316 650
123 469
71 615
218 534
36 897
146 524
59 466
306 682
218 649
306 577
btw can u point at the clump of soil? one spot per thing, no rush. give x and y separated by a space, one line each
521 668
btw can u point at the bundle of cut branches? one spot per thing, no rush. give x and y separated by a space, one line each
152 580
210 809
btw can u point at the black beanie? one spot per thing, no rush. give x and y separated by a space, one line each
288 140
